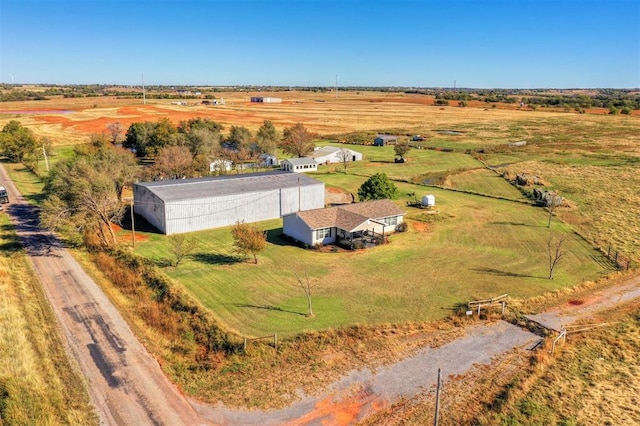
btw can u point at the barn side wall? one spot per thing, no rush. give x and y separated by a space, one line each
149 206
215 212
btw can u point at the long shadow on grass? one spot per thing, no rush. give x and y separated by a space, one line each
277 238
267 307
500 273
217 258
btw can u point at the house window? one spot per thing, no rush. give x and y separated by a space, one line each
393 220
323 233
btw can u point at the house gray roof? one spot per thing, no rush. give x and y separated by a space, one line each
387 137
350 216
300 161
188 189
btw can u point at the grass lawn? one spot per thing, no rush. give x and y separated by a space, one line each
475 247
419 161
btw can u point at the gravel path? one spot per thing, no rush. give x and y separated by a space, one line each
370 390
570 312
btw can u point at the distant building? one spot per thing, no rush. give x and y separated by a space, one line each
384 140
333 154
299 165
266 100
186 205
220 165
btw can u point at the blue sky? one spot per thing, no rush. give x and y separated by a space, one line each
476 43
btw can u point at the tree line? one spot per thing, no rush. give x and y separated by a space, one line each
83 194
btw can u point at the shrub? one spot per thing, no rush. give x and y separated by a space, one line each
402 227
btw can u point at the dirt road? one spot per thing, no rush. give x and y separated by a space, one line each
126 384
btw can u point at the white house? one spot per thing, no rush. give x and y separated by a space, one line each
299 165
344 223
186 205
333 154
220 165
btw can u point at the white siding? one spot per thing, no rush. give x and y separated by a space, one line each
149 206
296 228
214 212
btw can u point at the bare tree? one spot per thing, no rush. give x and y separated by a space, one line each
306 287
115 130
552 201
173 162
181 247
345 157
555 252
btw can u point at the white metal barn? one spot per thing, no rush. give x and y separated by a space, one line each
186 205
333 154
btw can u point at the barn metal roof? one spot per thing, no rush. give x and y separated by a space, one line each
300 161
189 189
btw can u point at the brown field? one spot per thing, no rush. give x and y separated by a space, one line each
590 158
69 120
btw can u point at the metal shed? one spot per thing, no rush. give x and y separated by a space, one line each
187 205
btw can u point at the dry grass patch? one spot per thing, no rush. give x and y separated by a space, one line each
606 198
38 385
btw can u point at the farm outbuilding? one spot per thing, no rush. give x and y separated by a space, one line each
220 165
333 154
384 140
266 100
186 205
299 165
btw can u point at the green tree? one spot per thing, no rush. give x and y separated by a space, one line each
181 247
17 142
297 140
147 139
377 187
248 239
138 137
401 149
82 195
239 138
164 134
267 137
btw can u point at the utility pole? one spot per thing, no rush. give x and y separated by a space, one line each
144 96
46 159
435 418
336 86
133 226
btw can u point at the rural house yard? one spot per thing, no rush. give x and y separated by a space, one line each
482 239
